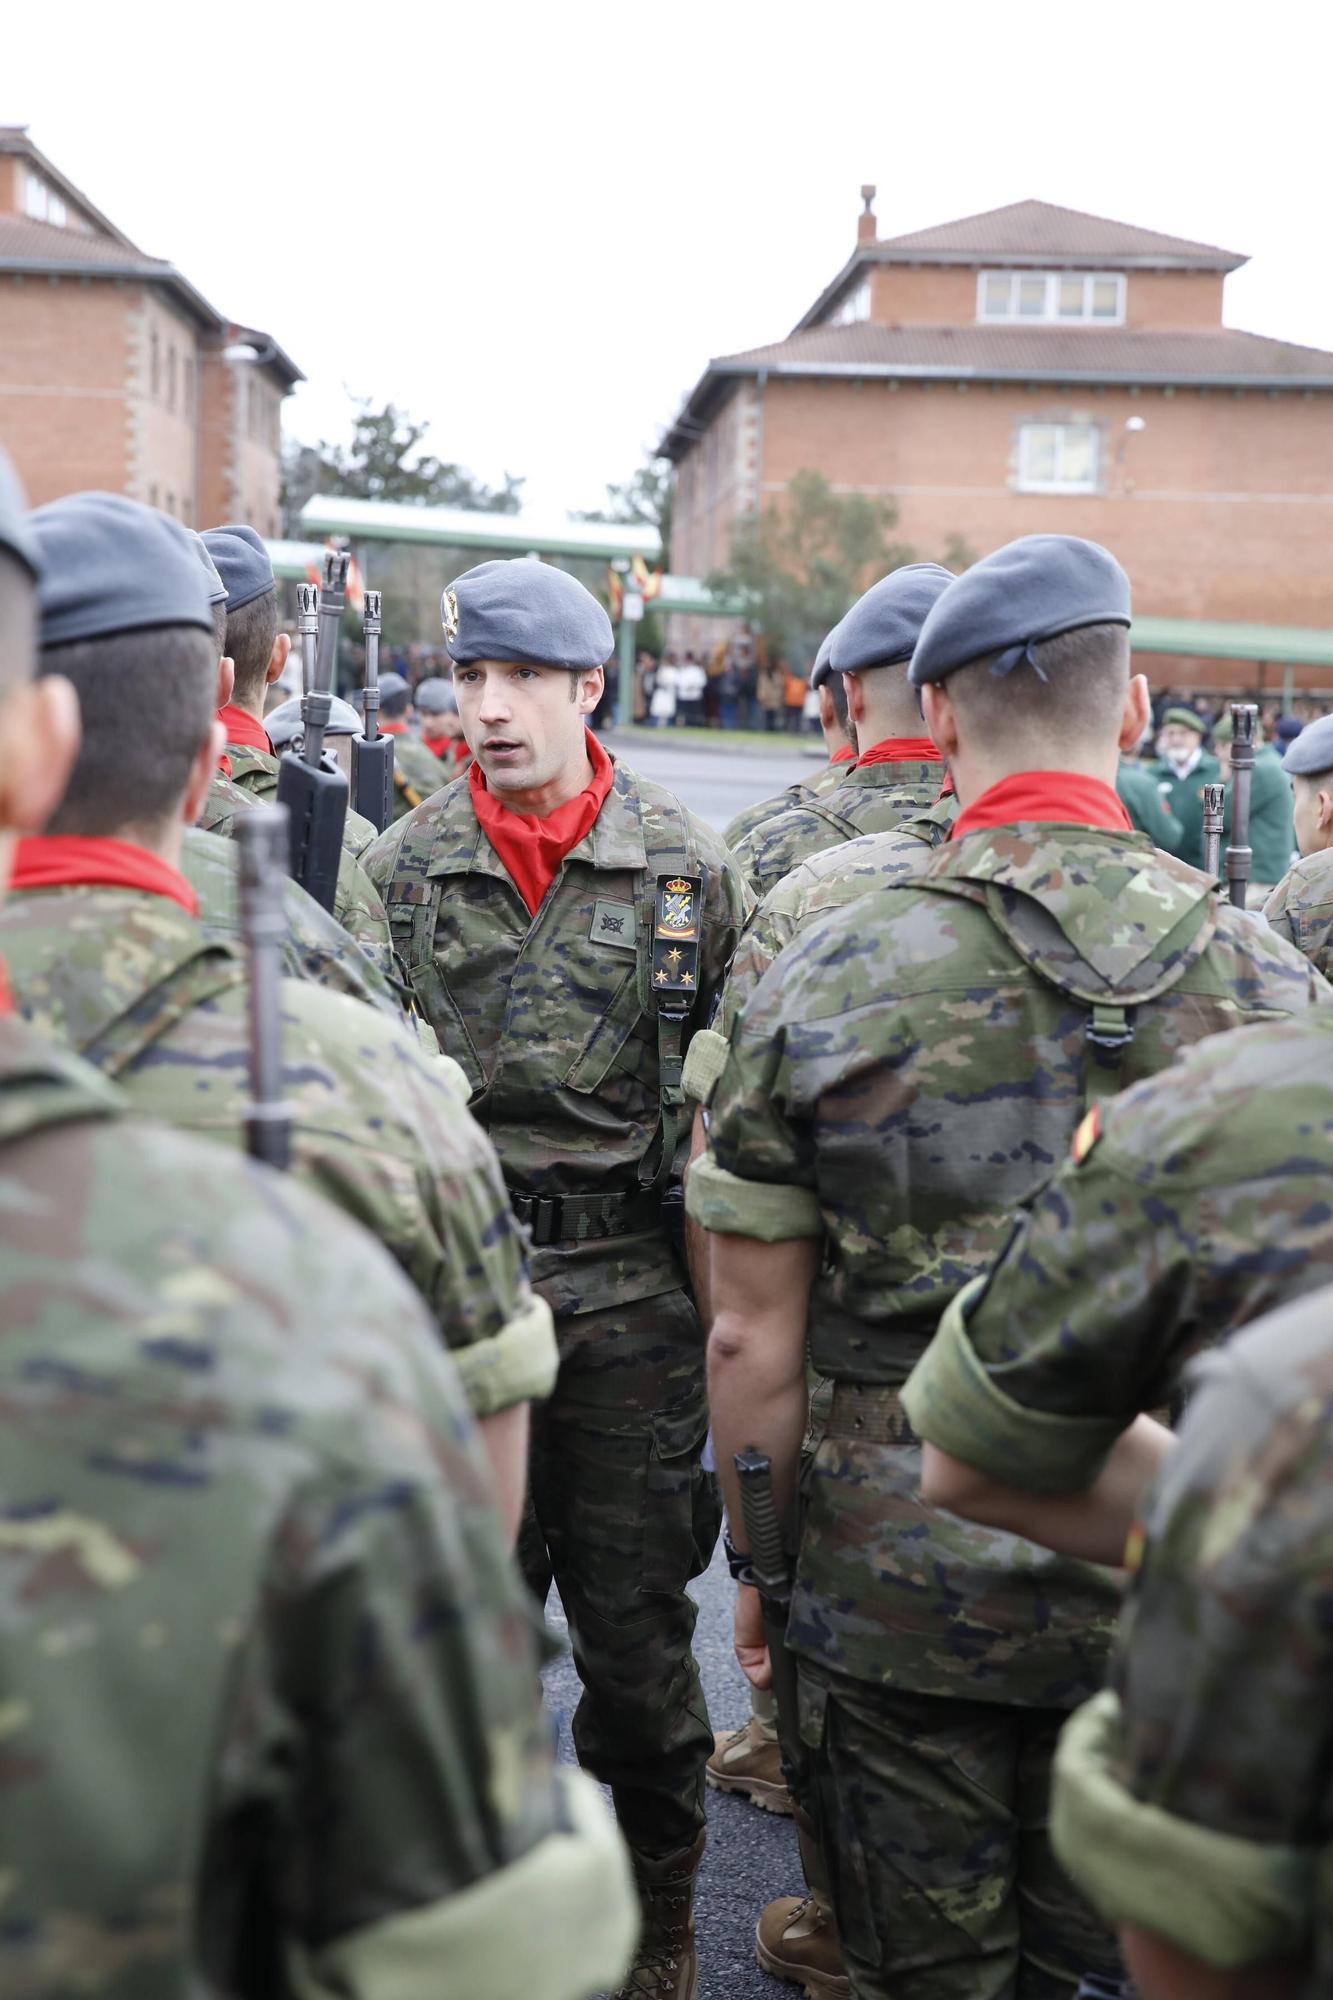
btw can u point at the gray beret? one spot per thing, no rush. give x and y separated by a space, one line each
15 534
821 670
1287 728
436 696
1311 753
393 686
528 612
883 625
242 563
1031 590
109 565
217 589
283 723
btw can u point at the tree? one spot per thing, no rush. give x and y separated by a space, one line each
385 461
801 564
645 496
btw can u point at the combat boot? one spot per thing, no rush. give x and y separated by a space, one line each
747 1761
796 1940
666 1964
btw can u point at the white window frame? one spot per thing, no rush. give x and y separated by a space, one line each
1050 314
852 307
1024 482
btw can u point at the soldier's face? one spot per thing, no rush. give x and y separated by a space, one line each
1177 741
524 725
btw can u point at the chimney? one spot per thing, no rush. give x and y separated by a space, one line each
865 221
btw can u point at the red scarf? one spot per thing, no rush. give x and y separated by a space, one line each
439 746
71 861
242 728
395 728
844 756
532 848
6 991
1058 798
900 750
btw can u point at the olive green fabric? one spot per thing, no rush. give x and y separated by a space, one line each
1184 796
417 774
824 778
1148 807
1300 908
869 798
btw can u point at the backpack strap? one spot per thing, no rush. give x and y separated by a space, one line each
675 885
213 970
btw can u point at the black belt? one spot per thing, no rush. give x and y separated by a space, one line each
576 1218
873 1414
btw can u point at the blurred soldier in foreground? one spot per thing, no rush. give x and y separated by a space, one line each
1191 1797
839 740
269 1709
565 925
902 1080
104 953
1301 906
897 770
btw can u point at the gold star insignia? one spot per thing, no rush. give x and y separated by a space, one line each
675 955
661 978
687 979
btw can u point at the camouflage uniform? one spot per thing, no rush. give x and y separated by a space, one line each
132 984
1191 1797
551 1018
269 1715
904 1077
417 774
1300 909
870 798
1191 1205
826 779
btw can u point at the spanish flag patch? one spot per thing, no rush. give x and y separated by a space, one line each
1134 1546
1087 1136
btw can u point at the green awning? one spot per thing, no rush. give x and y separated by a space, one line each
1209 639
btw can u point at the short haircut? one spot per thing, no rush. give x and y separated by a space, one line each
18 624
1081 700
219 611
252 631
146 701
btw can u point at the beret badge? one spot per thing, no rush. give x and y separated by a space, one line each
450 605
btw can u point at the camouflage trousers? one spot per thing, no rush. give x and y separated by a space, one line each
620 1516
932 1818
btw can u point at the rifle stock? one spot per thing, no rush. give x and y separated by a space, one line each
372 753
314 796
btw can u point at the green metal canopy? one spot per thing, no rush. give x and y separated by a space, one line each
463 528
1210 639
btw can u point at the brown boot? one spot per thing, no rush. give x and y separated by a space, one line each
666 1964
798 1941
748 1762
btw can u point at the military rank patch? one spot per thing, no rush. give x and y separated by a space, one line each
614 923
1087 1135
677 916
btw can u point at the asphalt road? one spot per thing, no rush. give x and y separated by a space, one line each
714 781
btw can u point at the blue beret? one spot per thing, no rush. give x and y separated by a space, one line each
436 696
1287 729
110 565
1031 590
526 611
884 624
1311 753
217 589
821 670
15 534
392 686
242 563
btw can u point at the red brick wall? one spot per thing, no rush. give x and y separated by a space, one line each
946 295
64 368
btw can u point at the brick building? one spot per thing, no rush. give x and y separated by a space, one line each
115 373
1032 369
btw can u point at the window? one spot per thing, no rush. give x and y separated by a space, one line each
187 386
41 201
852 306
1069 297
171 378
1058 458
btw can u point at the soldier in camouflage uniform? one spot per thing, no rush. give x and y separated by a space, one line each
534 904
417 772
901 1081
225 1501
1191 1797
104 954
839 741
1301 906
897 770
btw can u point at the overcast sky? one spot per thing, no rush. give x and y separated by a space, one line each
532 225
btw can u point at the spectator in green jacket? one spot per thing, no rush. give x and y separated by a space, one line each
1180 770
1147 806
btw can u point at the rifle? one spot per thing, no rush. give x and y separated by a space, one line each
1244 714
1214 811
772 1577
307 625
372 753
316 797
261 836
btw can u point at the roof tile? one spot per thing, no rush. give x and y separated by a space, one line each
1044 229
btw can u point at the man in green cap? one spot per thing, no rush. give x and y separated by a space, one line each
1180 770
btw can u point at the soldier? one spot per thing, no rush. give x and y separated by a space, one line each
898 770
839 740
565 925
259 652
103 952
1191 1797
1149 808
441 730
225 1501
901 1081
417 771
1272 837
1180 771
1301 907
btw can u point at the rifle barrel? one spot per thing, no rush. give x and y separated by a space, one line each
262 836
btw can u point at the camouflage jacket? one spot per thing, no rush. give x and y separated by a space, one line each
552 1017
134 986
1192 1796
245 1544
417 774
1188 1207
1300 909
825 779
904 1078
870 798
316 947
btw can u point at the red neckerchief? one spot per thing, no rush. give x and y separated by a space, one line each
73 861
1060 798
947 788
532 848
900 750
844 756
6 991
439 746
224 765
461 751
242 728
397 728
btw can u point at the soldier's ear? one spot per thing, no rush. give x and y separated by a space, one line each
226 681
277 659
1137 713
940 718
1325 811
40 729
590 687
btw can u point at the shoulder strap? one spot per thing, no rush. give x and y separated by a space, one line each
213 970
677 855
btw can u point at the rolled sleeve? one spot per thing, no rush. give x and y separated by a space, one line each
704 1064
516 1365
769 1211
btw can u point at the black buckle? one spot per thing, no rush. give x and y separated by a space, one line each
541 1214
1109 1045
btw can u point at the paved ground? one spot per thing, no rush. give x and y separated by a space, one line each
751 1855
717 778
